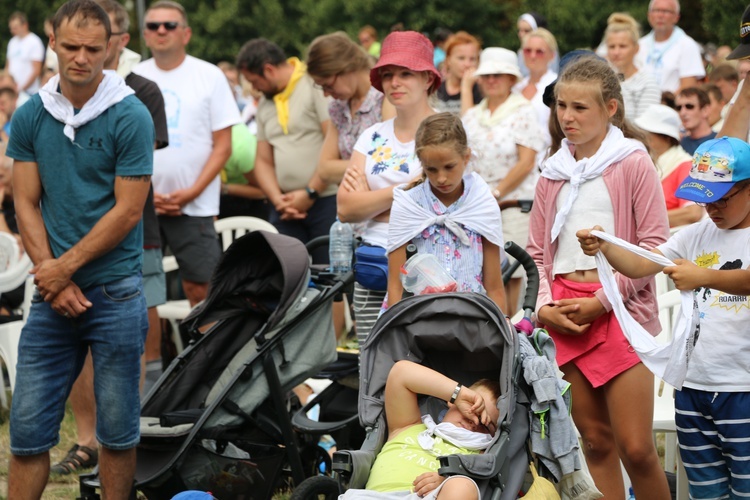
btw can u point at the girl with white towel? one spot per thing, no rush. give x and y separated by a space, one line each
600 173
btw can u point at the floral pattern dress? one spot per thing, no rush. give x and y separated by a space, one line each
463 262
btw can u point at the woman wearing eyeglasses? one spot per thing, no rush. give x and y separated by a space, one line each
639 89
341 68
539 49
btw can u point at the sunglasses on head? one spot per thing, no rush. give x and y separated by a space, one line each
689 105
536 52
168 25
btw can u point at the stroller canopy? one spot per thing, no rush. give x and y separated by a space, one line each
462 335
262 265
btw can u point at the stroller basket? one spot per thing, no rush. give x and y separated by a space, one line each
232 470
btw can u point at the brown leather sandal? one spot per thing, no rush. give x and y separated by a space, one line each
73 462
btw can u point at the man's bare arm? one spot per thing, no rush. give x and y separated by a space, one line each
27 194
53 275
265 173
737 121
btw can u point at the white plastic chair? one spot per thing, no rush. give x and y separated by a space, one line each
669 309
10 335
228 229
231 228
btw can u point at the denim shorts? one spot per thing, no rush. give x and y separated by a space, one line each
50 356
154 281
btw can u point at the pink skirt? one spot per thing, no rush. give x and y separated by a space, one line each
602 352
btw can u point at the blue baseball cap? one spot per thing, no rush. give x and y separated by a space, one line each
718 165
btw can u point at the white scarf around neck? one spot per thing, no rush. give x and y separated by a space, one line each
455 435
489 118
667 361
562 166
112 89
478 212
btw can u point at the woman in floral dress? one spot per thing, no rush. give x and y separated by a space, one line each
505 136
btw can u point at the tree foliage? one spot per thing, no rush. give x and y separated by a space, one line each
220 27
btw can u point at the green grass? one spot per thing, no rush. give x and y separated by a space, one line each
58 488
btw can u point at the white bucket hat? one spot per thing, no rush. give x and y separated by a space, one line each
498 61
660 119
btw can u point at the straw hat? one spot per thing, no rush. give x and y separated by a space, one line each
498 61
407 49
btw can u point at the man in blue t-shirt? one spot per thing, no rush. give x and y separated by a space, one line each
82 151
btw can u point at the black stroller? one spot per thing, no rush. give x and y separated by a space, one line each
218 418
466 337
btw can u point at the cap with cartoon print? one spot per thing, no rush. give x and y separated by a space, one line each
718 165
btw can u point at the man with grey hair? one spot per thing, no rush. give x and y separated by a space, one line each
668 53
200 114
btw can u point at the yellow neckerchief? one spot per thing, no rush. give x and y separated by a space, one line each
282 98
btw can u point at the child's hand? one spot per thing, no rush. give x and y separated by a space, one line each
686 275
426 482
589 309
589 244
471 405
556 317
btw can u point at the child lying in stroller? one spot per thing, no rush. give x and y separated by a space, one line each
413 445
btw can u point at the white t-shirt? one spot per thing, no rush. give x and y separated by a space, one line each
721 357
198 101
388 162
681 59
592 204
22 53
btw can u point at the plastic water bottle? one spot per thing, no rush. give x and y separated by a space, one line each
340 247
631 495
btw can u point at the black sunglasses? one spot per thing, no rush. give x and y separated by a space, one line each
168 25
689 105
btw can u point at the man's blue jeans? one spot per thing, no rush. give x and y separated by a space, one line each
50 357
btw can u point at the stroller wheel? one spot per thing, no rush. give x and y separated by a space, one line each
318 487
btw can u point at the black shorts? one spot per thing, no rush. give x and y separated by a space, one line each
194 243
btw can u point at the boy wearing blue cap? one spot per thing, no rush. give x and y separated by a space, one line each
712 257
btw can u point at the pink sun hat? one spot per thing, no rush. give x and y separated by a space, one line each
407 49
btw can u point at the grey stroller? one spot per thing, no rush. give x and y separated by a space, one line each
466 337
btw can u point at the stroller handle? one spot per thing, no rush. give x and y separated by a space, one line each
532 276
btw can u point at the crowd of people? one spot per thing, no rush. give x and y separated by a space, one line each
411 140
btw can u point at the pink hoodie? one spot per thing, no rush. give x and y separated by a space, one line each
640 218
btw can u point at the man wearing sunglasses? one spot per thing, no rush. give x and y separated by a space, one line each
693 106
200 114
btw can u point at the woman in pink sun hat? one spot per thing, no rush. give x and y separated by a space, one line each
384 156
